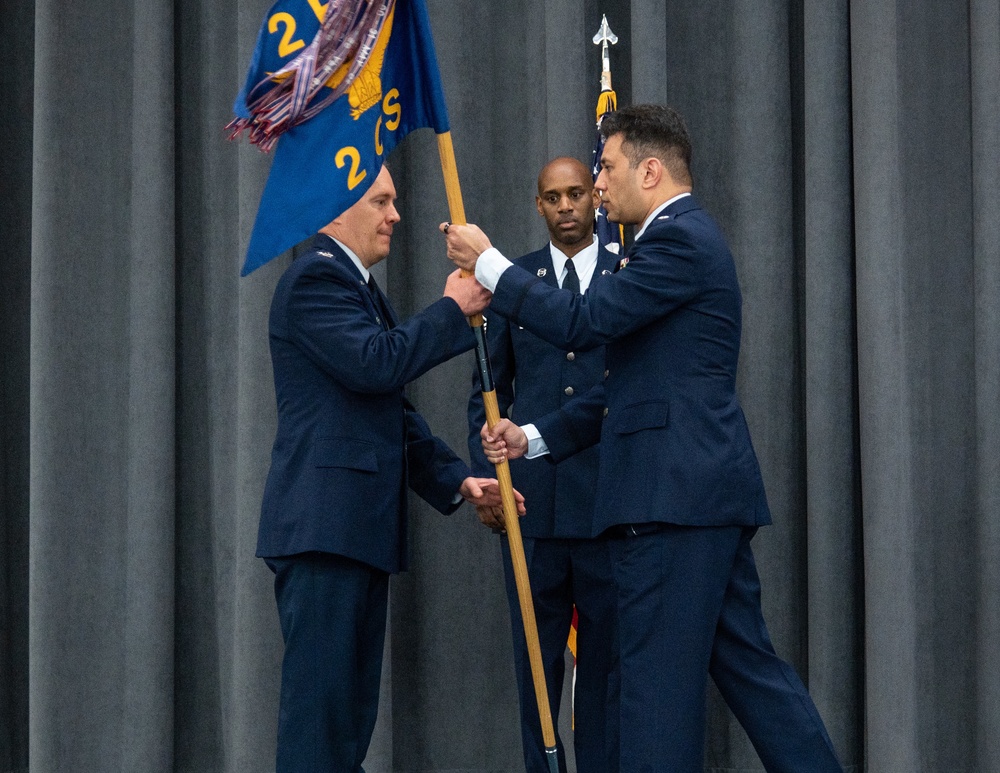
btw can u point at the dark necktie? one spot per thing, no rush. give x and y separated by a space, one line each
380 307
571 281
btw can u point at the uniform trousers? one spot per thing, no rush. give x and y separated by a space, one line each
333 614
689 606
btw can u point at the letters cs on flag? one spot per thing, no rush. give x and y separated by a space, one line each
324 165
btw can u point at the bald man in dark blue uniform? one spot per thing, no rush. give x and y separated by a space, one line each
566 566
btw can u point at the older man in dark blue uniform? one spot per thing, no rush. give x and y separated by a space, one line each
566 566
348 444
679 483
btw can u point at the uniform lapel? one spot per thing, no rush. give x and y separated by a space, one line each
387 311
324 245
607 263
540 264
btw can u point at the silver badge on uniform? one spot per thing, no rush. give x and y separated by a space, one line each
324 253
542 272
605 272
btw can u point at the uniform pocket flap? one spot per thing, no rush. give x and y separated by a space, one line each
345 452
651 415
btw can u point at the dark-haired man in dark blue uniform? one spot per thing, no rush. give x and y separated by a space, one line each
679 486
566 566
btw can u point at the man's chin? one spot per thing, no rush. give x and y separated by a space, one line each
572 239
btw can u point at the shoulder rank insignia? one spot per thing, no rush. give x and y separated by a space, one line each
542 272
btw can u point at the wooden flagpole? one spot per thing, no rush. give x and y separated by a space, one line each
456 211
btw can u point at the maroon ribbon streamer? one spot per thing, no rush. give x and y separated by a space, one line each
288 97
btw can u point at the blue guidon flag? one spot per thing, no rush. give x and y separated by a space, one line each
334 87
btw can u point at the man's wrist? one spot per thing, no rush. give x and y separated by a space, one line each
489 266
536 445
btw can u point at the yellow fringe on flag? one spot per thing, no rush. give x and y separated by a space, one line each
607 102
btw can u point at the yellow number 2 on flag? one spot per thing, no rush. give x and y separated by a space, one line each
353 178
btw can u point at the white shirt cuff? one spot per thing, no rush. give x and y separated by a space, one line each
490 266
536 445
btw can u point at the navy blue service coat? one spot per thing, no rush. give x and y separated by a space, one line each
534 379
675 447
348 442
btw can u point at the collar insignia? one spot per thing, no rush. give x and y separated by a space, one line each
324 253
542 272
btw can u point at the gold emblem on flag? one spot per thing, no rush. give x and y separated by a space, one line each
366 91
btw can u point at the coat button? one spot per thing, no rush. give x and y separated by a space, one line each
570 356
606 373
605 411
568 391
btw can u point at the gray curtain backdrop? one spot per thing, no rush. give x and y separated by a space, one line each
851 152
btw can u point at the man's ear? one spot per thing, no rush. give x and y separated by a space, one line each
538 206
652 172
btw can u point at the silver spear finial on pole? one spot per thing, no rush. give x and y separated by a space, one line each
603 37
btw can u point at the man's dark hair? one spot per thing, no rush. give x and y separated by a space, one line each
653 130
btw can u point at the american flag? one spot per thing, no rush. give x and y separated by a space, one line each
609 234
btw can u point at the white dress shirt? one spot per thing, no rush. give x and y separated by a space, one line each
354 258
585 261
